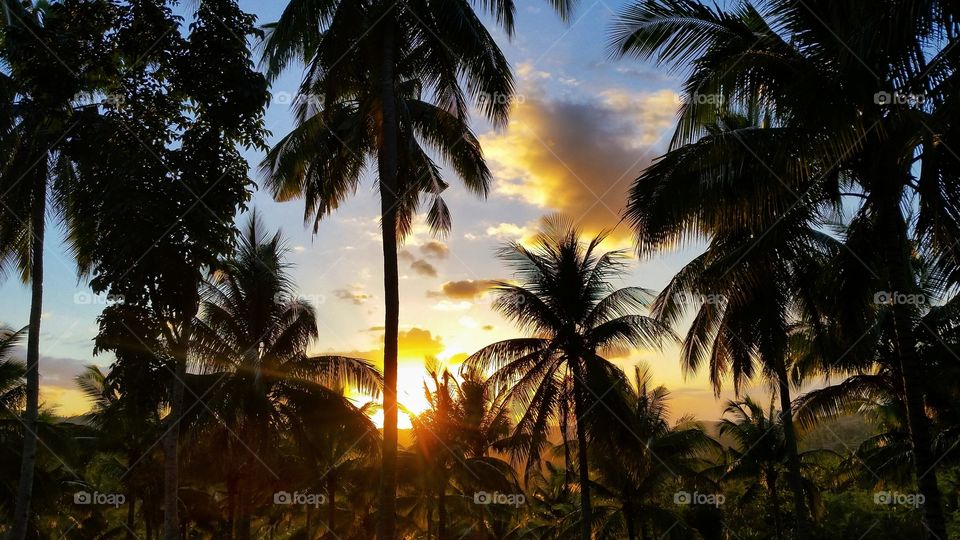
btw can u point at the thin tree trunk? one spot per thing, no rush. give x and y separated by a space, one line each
21 516
628 517
586 513
131 515
793 457
897 253
442 511
774 503
332 502
387 163
308 527
171 440
564 427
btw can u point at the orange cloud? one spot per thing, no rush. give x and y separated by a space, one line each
579 158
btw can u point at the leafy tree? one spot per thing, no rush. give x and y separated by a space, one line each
160 204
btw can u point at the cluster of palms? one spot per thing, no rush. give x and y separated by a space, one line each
825 204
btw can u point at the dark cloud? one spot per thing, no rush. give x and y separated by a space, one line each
435 249
423 268
467 289
356 295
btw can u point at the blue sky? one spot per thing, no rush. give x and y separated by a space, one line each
583 126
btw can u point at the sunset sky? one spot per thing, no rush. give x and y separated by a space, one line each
582 128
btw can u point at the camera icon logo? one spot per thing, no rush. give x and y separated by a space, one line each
282 497
82 497
682 497
882 98
882 497
482 497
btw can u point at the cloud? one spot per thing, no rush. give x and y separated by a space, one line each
423 268
579 157
467 289
415 344
355 294
435 249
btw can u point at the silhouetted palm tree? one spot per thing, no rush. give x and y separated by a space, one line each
647 454
252 335
367 65
565 300
838 87
47 62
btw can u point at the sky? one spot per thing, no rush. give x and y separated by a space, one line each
582 128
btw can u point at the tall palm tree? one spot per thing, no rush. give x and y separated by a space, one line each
365 60
49 59
252 335
751 284
565 300
835 80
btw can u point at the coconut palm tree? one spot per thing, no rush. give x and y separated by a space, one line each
367 65
565 300
48 59
646 455
863 105
252 335
751 284
761 454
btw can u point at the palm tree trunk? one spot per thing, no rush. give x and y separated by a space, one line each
171 440
774 503
442 511
793 457
586 514
564 413
332 502
628 517
897 253
21 516
387 164
131 515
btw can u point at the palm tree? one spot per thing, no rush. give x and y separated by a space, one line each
751 285
762 453
367 63
835 81
453 441
647 454
567 303
38 88
252 335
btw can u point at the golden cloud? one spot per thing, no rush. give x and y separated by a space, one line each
579 158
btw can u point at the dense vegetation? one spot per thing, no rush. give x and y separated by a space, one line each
812 166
